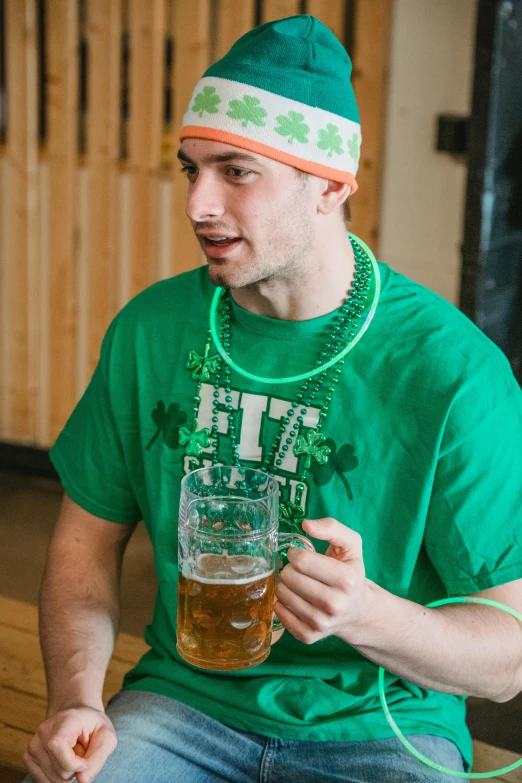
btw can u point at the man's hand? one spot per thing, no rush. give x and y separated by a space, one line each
319 595
72 742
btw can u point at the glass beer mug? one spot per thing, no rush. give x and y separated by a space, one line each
227 565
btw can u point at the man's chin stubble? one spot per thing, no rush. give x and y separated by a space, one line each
219 277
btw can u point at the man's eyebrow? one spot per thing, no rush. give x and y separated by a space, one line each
223 157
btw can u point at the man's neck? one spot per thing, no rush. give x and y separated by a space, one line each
320 290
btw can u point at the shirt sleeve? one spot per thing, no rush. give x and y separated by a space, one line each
474 527
88 454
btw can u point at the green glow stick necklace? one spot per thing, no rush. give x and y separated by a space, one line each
317 370
400 735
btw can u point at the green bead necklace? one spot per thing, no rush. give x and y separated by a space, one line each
313 446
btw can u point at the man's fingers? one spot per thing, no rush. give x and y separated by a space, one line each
34 769
299 607
55 771
40 771
318 567
308 587
41 763
292 623
102 743
60 748
345 543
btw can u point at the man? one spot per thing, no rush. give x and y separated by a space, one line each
393 426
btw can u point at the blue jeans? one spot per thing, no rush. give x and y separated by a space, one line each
161 740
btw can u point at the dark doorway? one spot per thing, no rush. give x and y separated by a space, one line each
491 290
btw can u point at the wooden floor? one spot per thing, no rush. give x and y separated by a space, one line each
23 691
22 681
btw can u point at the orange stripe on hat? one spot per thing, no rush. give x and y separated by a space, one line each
214 134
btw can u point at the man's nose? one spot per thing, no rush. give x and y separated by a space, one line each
204 199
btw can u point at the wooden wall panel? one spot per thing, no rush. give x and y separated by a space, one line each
370 80
102 160
147 32
62 113
191 59
42 436
22 320
5 265
234 19
278 9
331 13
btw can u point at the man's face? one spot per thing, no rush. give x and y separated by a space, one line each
262 207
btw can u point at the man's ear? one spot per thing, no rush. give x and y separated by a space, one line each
332 195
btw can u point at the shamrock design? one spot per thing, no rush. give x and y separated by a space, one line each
206 101
340 462
353 147
291 516
313 446
293 127
169 421
330 140
194 441
202 366
247 110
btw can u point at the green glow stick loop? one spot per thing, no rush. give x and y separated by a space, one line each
311 373
400 735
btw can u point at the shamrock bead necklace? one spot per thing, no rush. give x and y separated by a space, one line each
325 373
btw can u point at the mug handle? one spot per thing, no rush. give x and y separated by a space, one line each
284 541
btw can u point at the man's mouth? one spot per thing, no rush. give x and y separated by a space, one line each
222 240
218 247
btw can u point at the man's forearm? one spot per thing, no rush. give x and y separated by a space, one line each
461 649
79 617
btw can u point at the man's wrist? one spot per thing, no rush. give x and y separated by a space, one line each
61 705
360 632
77 695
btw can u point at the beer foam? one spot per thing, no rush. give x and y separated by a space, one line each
226 570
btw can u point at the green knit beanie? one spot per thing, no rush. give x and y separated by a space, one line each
283 91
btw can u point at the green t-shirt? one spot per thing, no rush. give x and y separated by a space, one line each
426 464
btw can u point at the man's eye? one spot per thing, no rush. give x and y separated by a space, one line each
188 170
239 173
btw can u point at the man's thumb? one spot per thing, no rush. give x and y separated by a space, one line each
345 542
